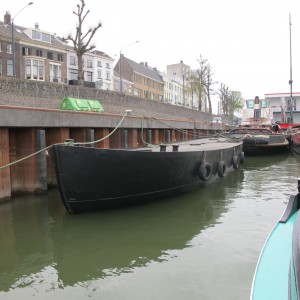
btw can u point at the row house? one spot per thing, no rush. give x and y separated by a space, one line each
182 71
97 68
172 89
41 56
127 85
38 55
146 81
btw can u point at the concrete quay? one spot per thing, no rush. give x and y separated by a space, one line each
30 121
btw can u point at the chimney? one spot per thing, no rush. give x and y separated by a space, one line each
36 25
7 18
141 63
146 64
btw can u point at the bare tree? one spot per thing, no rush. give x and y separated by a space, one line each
82 41
224 95
201 82
208 87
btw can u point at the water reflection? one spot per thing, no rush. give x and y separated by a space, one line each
45 248
174 249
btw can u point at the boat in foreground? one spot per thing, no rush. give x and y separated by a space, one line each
277 275
91 178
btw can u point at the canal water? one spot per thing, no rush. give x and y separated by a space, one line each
203 245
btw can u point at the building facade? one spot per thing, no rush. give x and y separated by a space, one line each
286 108
34 54
146 81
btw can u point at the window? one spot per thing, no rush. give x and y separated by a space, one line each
39 52
9 67
264 103
99 73
250 103
46 37
73 74
26 51
89 63
55 73
9 48
36 35
72 60
89 76
41 36
99 63
34 69
107 66
49 55
60 57
107 75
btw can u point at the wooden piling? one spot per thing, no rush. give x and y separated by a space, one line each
5 181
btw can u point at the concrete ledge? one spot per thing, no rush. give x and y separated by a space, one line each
15 116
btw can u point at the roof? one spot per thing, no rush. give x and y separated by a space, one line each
101 53
145 71
281 94
19 34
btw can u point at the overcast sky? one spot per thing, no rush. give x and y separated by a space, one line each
246 42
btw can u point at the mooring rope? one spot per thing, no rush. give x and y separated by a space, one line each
66 144
71 142
182 130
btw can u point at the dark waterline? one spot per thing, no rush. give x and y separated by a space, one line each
203 245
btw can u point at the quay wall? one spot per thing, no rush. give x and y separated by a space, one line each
27 93
30 121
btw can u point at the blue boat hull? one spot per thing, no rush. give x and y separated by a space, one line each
275 277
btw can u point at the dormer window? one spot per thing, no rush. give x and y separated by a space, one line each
39 35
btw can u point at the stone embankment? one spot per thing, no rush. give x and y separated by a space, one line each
27 93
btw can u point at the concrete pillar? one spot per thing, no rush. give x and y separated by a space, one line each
168 135
5 181
41 161
149 136
90 137
124 137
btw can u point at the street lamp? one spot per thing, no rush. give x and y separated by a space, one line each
291 74
120 66
13 38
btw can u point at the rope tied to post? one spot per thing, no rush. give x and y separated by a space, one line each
66 143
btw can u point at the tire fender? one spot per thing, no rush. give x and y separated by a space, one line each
205 171
221 168
235 162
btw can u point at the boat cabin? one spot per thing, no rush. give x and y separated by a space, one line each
257 113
